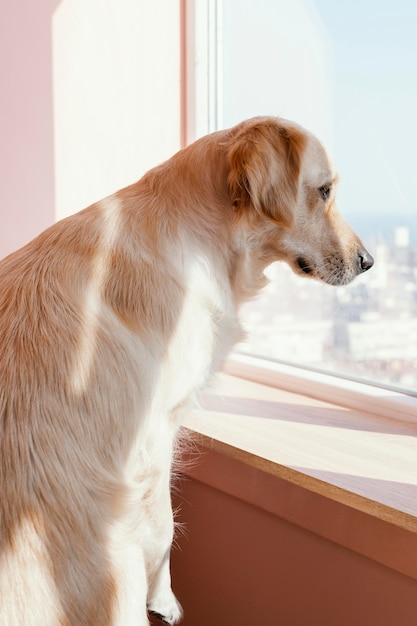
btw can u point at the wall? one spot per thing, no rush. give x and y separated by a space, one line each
26 121
90 100
237 564
117 94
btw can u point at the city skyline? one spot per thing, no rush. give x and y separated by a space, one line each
365 330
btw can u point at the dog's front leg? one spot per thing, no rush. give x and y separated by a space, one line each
161 600
130 578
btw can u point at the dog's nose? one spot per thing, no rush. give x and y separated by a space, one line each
366 260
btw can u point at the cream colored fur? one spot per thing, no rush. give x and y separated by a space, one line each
111 322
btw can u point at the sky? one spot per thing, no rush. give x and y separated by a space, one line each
374 45
347 70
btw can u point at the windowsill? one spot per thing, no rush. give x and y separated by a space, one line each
340 456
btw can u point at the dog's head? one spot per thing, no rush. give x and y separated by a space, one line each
282 183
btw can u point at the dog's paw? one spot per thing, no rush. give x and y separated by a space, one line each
167 609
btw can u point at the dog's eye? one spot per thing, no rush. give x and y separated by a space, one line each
325 191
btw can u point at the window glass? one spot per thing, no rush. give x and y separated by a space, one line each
349 74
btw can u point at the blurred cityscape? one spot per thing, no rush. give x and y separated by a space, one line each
365 330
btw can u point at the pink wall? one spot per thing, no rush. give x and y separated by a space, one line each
238 564
26 121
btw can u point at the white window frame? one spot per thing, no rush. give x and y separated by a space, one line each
203 67
352 394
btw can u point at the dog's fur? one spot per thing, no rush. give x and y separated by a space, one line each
110 322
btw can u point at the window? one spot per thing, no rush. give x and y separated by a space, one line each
351 79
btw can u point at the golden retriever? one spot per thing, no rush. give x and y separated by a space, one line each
110 322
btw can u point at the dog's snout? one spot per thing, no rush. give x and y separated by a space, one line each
366 261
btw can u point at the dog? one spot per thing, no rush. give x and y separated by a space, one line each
111 322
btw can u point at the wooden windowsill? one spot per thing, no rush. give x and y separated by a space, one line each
366 462
343 474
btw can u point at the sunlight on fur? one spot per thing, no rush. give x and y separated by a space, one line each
27 572
93 305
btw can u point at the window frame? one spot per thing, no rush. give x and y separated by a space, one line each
352 394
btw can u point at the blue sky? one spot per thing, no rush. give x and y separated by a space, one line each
374 47
370 48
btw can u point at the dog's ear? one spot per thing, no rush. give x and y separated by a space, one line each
264 163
